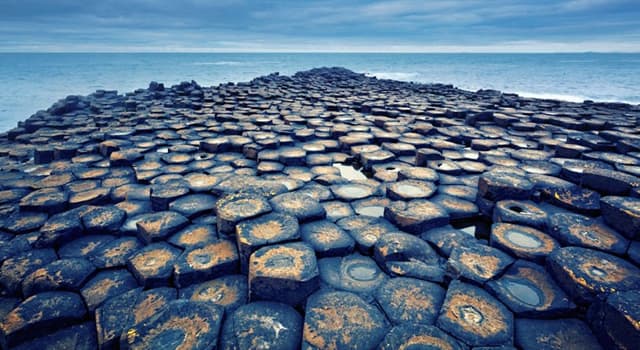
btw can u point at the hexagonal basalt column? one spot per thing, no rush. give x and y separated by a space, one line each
352 273
205 262
475 317
230 292
615 320
567 333
623 214
402 254
286 273
182 324
522 241
579 230
408 336
410 189
268 229
408 300
342 320
158 226
496 186
588 275
416 216
262 325
529 291
302 206
478 263
153 265
40 314
233 208
327 238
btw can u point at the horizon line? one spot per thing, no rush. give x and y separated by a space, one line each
323 52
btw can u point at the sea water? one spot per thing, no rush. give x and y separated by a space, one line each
33 81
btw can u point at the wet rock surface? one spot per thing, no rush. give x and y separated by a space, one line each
321 210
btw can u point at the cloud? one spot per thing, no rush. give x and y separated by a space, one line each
225 25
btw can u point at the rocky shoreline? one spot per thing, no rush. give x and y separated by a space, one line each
323 210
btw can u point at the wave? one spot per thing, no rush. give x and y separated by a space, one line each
406 76
576 98
552 96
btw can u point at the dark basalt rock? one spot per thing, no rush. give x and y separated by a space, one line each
113 317
578 230
402 254
111 252
410 301
229 292
194 235
475 317
342 320
615 320
267 229
24 222
495 186
416 216
520 212
80 337
48 200
579 200
15 269
63 274
522 241
352 273
102 220
327 238
160 225
458 209
194 205
40 314
152 265
206 262
446 238
609 182
187 324
567 333
302 206
83 247
262 324
286 273
588 275
623 214
477 263
529 291
106 284
233 208
409 336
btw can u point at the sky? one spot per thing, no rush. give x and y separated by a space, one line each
319 26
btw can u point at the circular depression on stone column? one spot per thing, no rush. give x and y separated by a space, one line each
353 273
475 317
522 241
588 274
528 290
410 189
578 230
352 191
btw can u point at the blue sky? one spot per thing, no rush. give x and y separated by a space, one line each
335 25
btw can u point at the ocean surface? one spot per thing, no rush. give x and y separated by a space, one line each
33 81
